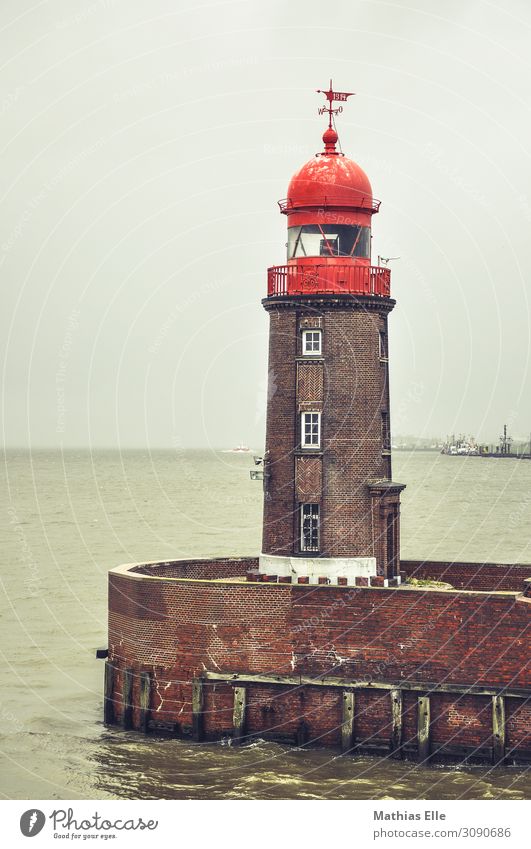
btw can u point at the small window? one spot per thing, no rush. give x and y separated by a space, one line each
386 433
384 350
309 527
329 246
311 430
311 343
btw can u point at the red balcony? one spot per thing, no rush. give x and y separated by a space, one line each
357 200
328 280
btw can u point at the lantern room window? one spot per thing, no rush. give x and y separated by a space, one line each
329 240
311 343
309 520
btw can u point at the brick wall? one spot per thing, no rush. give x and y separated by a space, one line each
281 430
222 567
177 630
356 393
470 576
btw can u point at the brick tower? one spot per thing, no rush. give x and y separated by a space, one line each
331 509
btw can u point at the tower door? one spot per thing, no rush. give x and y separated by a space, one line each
391 546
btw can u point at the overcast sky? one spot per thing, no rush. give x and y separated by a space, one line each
144 148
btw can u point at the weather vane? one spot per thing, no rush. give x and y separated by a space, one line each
332 95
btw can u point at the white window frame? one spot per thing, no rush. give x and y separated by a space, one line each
311 507
305 334
304 444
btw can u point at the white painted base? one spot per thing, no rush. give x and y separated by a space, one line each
317 567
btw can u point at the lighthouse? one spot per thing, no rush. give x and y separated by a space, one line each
331 508
240 647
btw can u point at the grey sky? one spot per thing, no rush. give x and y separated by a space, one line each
144 148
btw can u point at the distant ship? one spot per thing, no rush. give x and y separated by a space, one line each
460 447
463 447
240 449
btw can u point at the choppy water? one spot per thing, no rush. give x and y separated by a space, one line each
67 518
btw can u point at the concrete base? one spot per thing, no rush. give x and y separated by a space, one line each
317 567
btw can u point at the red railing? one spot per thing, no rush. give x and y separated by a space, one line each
328 280
356 200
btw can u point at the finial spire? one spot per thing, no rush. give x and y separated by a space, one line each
330 135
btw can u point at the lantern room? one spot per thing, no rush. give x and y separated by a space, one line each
329 209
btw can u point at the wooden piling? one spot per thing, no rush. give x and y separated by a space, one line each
108 692
238 714
347 725
197 710
395 743
423 729
498 729
127 699
145 698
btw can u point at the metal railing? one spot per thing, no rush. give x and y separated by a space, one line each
328 280
356 200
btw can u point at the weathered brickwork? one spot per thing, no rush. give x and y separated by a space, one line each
461 721
470 576
284 712
354 396
372 717
309 386
218 706
281 430
221 567
518 724
309 478
179 629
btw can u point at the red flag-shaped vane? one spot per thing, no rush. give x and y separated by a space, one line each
332 95
340 95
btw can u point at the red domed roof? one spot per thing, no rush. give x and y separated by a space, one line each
330 179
